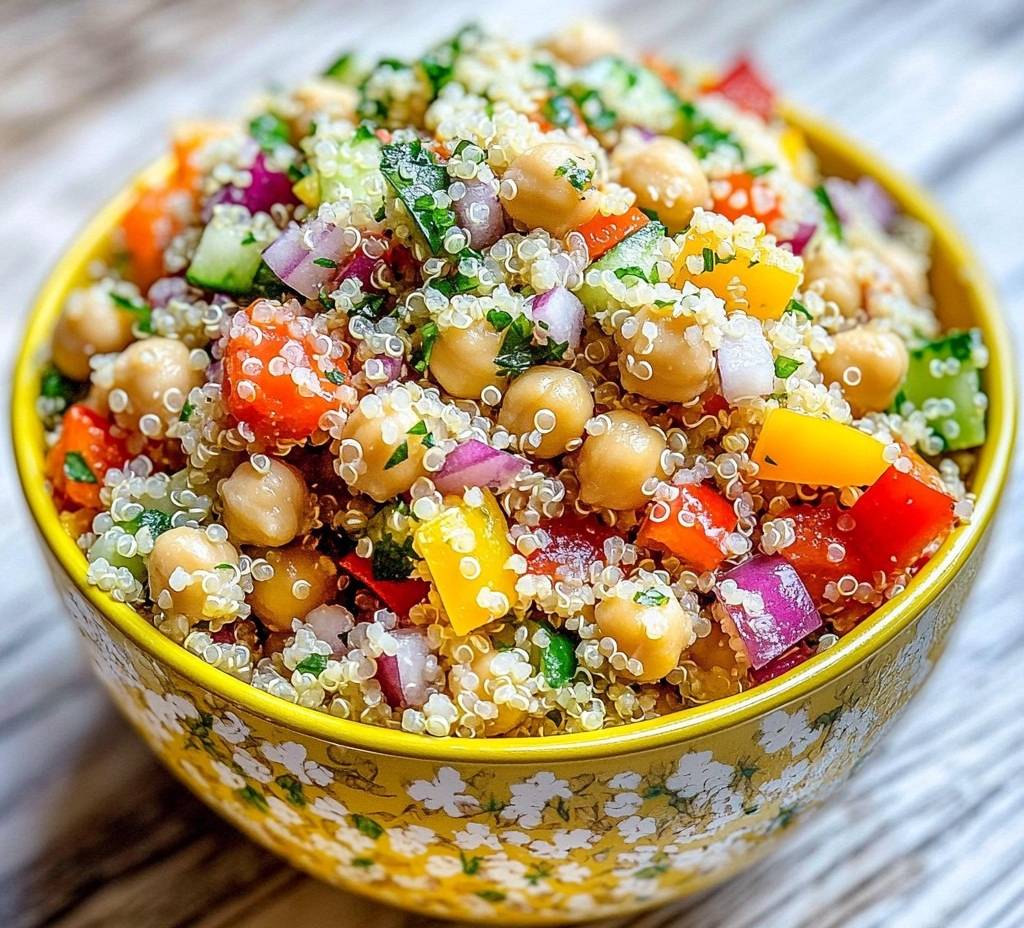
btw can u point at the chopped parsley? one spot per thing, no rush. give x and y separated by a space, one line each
269 131
499 319
315 664
186 411
392 560
53 385
651 597
428 336
439 63
371 306
414 174
138 308
832 223
631 271
579 175
760 169
155 520
518 352
335 376
560 110
76 469
709 259
547 71
795 306
325 262
401 453
596 113
420 428
248 238
702 135
785 366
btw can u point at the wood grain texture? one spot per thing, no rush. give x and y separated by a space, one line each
94 833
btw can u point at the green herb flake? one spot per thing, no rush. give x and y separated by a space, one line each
138 308
76 469
269 131
499 319
53 385
832 223
428 336
650 597
325 262
631 271
760 170
518 352
156 520
248 239
795 306
400 454
315 664
420 428
414 174
578 175
491 895
547 71
224 565
709 259
393 560
186 412
785 366
335 376
558 659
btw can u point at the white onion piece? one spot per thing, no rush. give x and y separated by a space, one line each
292 255
330 623
562 312
745 363
479 212
403 676
475 464
162 291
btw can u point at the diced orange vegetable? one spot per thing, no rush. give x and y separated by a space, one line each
260 381
466 548
148 227
796 448
85 451
740 194
695 528
187 138
759 282
669 75
603 233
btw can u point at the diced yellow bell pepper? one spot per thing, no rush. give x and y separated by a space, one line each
466 548
307 189
759 280
796 448
799 156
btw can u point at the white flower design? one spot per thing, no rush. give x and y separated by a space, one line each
628 780
780 730
530 798
350 836
563 842
623 804
251 767
231 728
634 828
165 712
475 835
292 756
443 866
515 838
447 791
707 858
411 840
282 812
507 873
329 808
697 773
572 872
227 776
790 785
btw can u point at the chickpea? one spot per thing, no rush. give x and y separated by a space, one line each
666 177
655 635
474 678
303 579
909 269
264 508
614 465
584 41
322 97
553 187
830 272
381 438
563 394
880 361
462 360
679 360
90 324
150 371
191 550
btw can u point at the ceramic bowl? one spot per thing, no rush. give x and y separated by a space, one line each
533 830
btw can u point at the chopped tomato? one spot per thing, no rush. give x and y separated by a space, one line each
695 528
576 542
740 194
154 219
744 86
86 450
398 595
278 377
825 548
901 514
602 233
715 403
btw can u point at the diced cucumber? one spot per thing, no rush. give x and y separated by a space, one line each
228 254
414 174
349 167
638 251
943 381
612 91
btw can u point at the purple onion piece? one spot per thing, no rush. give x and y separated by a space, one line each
292 256
801 237
479 212
361 267
475 464
788 614
267 188
392 366
876 201
162 291
562 313
403 675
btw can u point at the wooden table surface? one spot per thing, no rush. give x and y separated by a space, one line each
94 833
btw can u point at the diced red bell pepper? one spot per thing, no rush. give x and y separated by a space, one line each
85 451
741 194
744 86
817 528
699 540
783 663
575 544
398 595
901 514
602 233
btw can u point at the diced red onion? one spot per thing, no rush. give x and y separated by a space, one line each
877 202
786 613
479 212
267 187
162 291
403 675
475 464
782 664
293 255
361 267
392 366
562 312
745 363
801 237
330 623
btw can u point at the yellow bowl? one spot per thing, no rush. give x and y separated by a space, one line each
533 830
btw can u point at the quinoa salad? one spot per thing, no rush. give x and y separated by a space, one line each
512 390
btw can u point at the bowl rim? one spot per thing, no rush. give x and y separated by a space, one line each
854 647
